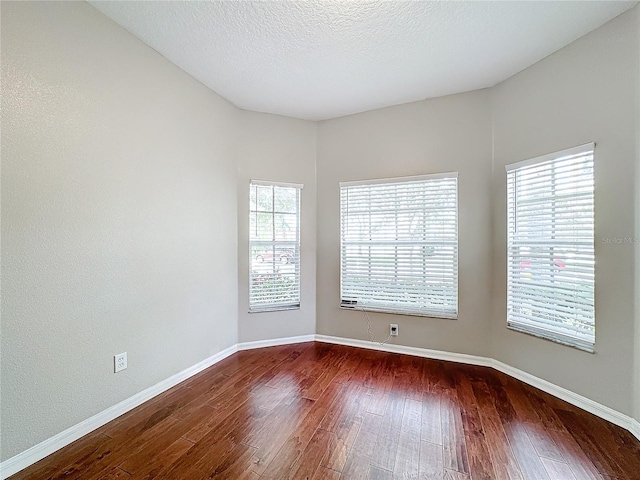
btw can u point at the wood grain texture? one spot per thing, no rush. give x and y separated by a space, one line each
316 411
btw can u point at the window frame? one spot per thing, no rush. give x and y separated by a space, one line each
582 246
451 310
262 307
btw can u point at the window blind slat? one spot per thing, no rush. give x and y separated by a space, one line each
399 246
550 248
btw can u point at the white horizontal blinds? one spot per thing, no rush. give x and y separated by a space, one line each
274 243
550 288
399 245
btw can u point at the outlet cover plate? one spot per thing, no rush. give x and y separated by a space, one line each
393 329
120 362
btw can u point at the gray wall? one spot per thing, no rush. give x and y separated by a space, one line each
441 135
276 148
118 218
588 91
637 252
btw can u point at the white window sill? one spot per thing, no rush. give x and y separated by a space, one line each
566 343
276 309
399 312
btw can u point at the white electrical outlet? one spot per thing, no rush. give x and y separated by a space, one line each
120 362
393 329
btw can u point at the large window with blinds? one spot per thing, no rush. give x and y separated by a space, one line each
399 245
274 246
550 247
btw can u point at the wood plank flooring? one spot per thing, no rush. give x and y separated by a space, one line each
316 411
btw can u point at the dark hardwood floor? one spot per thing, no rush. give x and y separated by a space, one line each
320 411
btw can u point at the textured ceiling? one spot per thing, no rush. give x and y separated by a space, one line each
320 59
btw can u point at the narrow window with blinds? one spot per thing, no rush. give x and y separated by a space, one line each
550 247
274 246
399 245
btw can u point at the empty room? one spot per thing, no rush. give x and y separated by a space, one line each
320 239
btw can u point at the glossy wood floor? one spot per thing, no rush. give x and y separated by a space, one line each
320 411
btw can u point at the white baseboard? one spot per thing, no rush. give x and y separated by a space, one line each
64 438
38 452
579 401
417 352
635 428
275 342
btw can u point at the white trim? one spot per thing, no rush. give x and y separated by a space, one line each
635 428
268 183
552 156
416 352
71 434
280 308
575 399
414 178
38 452
397 311
276 341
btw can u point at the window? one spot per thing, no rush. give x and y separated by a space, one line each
550 264
399 245
274 246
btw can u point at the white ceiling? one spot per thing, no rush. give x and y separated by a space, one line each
319 59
